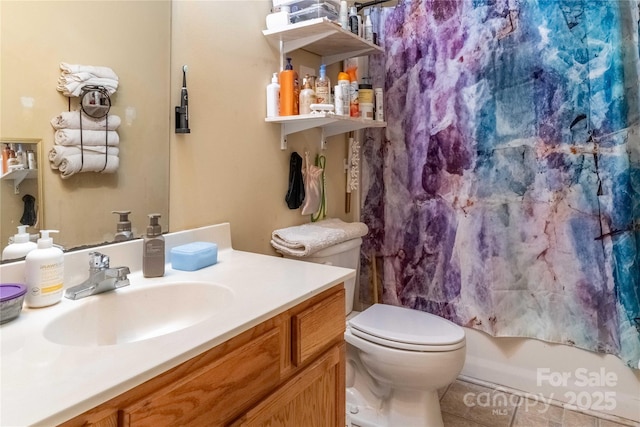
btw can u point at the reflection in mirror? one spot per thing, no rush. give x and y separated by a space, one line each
37 37
21 192
95 101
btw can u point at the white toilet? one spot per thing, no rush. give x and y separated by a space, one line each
397 358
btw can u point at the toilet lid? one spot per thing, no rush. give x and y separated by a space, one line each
404 325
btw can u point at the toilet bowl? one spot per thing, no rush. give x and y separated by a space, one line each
409 356
397 358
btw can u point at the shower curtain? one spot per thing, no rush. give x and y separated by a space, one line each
504 194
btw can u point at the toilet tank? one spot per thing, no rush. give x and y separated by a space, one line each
345 254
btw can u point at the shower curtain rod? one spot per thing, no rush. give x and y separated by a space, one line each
359 6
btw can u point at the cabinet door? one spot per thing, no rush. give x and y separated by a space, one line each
312 398
215 394
315 328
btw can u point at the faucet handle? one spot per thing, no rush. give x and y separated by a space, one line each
98 261
121 276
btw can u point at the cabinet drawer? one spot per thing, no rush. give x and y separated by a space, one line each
315 328
312 398
214 394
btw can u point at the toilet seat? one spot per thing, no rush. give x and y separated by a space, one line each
406 329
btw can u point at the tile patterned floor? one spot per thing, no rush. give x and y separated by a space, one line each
465 404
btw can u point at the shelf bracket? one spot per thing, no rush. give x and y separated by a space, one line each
283 136
323 140
20 176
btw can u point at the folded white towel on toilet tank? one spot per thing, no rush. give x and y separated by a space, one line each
71 120
89 137
306 239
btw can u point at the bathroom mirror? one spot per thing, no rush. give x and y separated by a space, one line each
35 38
21 190
95 101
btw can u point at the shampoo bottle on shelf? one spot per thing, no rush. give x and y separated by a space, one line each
44 272
344 15
354 21
307 96
153 249
273 97
323 87
21 245
289 91
368 26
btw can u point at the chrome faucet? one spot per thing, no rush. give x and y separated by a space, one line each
101 278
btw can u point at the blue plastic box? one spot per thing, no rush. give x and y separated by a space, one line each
194 256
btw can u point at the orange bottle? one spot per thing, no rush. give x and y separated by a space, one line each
289 90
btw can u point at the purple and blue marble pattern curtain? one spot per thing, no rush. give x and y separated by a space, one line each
504 194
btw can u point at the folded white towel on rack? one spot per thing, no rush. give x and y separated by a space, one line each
73 89
71 120
306 239
89 137
73 164
59 152
98 71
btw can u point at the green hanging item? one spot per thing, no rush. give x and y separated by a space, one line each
321 162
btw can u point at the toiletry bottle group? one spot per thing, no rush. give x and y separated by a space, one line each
349 97
44 272
153 249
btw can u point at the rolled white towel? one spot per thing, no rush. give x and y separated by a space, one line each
71 120
73 164
59 152
306 239
78 77
75 88
89 137
96 70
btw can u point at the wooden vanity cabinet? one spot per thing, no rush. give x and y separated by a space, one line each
286 371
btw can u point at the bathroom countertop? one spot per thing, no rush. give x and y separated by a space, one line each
43 383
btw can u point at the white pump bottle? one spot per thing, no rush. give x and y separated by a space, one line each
273 97
44 272
21 245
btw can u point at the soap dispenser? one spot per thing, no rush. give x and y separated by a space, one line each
44 272
21 245
153 249
124 227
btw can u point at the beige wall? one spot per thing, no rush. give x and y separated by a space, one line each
131 37
230 168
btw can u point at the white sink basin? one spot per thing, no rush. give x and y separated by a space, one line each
139 313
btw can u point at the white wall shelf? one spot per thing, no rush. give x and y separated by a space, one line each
321 37
330 124
18 176
329 41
